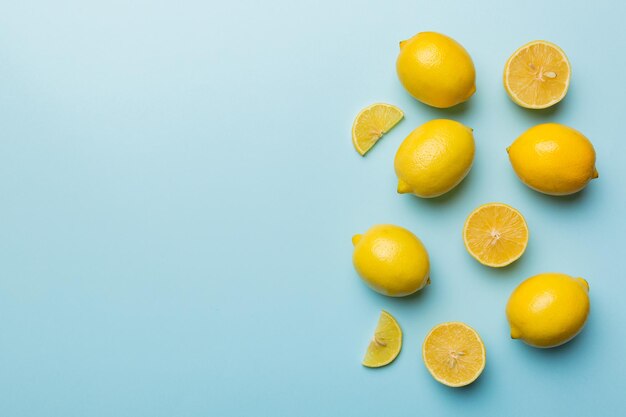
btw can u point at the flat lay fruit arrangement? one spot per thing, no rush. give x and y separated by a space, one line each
545 310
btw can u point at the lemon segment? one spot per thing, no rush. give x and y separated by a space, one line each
386 343
495 234
372 123
548 310
454 354
537 75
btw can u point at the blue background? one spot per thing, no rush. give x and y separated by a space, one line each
178 190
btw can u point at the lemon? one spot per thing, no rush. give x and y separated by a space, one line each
391 260
553 159
434 158
436 70
372 123
386 343
495 234
537 75
454 354
548 310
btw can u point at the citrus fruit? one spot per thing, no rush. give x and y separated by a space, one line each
537 75
553 159
391 260
372 123
436 70
549 309
386 343
434 158
454 354
495 234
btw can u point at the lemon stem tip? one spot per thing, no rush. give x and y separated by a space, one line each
403 187
515 334
356 238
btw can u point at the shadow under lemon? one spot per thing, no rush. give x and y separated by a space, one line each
562 353
557 200
389 299
510 271
537 116
470 389
454 194
441 113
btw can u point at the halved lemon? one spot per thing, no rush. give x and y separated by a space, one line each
386 343
372 123
495 234
537 75
454 354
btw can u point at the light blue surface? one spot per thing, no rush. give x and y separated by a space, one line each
179 189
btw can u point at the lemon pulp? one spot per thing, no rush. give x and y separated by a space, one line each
495 234
537 75
454 354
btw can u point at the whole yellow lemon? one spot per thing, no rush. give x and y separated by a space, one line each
434 158
436 70
391 260
553 159
548 309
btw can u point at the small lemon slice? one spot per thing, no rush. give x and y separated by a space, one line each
372 123
537 75
386 343
495 234
454 354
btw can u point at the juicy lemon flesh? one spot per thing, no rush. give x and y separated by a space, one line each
537 75
436 70
548 309
553 159
454 354
372 123
391 260
434 158
495 234
386 343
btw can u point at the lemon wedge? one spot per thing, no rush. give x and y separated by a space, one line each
386 343
372 123
495 234
454 354
537 75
